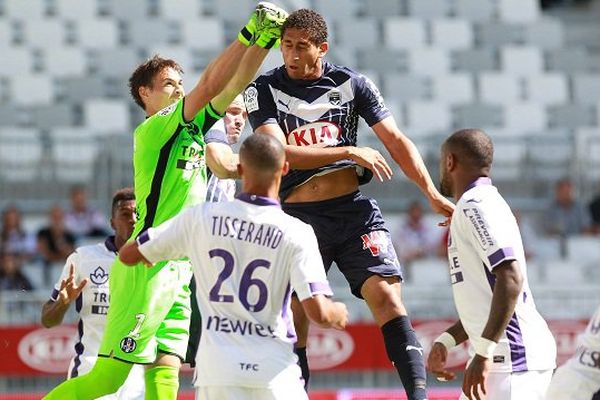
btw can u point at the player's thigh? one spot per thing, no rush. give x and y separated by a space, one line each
172 335
530 385
571 383
241 393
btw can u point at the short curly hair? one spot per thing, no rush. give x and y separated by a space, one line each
145 73
310 21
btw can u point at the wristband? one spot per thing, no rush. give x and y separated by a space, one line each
446 339
485 347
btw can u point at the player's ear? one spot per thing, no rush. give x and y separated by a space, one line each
112 223
285 169
450 161
239 170
323 49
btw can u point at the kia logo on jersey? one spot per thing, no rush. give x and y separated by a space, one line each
328 348
316 134
48 350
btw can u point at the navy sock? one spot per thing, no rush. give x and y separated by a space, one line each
405 351
303 363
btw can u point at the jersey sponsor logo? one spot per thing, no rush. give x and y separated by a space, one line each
48 350
335 97
316 134
251 99
375 242
99 276
99 310
221 324
485 239
456 274
589 358
188 165
167 110
128 345
329 348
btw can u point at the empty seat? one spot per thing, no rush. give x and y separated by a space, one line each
521 61
155 31
30 9
382 59
498 34
32 89
126 9
403 87
563 274
381 8
586 88
452 34
44 33
16 59
11 115
429 9
571 115
87 33
358 33
550 156
590 154
340 9
77 89
233 10
180 10
65 61
551 88
571 59
519 11
345 55
583 248
475 60
204 34
508 158
6 34
428 117
546 33
52 115
403 33
20 154
101 115
428 61
499 88
526 117
73 153
117 62
478 114
76 9
453 89
474 10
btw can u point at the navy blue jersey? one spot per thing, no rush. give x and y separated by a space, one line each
318 113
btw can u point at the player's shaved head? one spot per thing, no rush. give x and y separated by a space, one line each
144 75
310 21
472 147
262 153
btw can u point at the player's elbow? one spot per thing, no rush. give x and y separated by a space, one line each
129 254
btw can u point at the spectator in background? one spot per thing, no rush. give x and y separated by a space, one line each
415 239
83 220
54 242
594 209
565 215
11 277
228 132
13 237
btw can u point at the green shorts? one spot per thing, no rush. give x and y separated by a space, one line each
149 311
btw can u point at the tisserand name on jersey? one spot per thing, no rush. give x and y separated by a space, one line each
247 231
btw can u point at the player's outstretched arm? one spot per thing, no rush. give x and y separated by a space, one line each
222 161
130 254
53 312
326 313
438 355
407 156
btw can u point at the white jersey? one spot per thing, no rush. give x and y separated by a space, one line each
94 262
483 234
247 256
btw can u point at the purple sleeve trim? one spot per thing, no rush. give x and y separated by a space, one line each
143 238
320 288
500 255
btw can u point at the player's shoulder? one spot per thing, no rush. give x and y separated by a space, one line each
272 76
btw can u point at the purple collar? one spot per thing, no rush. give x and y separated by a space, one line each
110 244
258 200
482 180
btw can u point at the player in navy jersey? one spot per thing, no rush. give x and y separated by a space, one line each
313 107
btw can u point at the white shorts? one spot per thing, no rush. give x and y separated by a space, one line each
245 393
574 381
530 385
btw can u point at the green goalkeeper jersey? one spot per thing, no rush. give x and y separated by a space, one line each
169 164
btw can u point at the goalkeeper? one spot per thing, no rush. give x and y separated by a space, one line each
148 317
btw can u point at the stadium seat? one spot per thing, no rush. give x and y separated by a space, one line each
403 87
180 10
547 89
547 33
340 9
104 115
359 33
155 31
342 55
382 59
20 154
44 33
10 115
430 272
567 59
73 152
76 9
496 34
65 61
563 274
474 10
428 61
87 33
509 157
6 34
234 11
478 114
403 33
16 59
521 61
475 60
52 115
123 10
499 88
589 139
528 117
30 9
428 117
204 34
429 9
584 249
30 89
114 63
76 90
452 34
519 11
453 89
571 115
381 8
586 88
550 156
